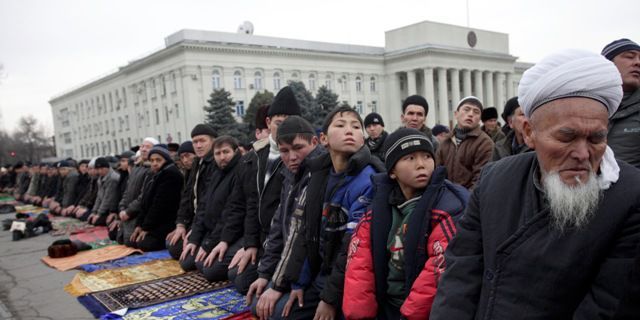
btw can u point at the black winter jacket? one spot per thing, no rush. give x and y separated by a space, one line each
185 212
160 201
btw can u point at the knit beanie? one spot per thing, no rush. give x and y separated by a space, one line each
438 129
417 100
403 142
186 146
294 125
488 114
284 103
617 47
203 129
509 108
373 118
161 151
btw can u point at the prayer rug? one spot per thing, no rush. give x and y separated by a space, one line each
91 256
148 293
131 260
68 225
84 282
96 237
225 303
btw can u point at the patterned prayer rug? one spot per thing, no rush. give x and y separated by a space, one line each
96 237
84 282
149 293
224 303
91 256
131 260
67 225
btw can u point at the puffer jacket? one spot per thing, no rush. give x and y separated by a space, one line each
624 130
430 228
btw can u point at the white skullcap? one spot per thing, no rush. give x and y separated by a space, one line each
570 73
92 163
151 140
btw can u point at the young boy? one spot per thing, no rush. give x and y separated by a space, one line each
413 211
297 144
340 189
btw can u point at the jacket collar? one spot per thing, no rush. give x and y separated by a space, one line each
356 163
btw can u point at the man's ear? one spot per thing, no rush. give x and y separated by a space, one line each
528 134
324 140
314 141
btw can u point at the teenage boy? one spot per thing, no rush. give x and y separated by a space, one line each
297 144
467 149
396 255
341 188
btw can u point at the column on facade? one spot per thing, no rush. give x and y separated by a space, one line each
466 83
443 101
500 99
488 82
411 82
478 85
455 87
510 89
392 108
429 93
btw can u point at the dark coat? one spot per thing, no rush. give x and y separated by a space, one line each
130 201
82 187
208 223
507 259
69 188
89 198
376 146
205 170
160 201
624 130
264 199
504 147
185 212
234 222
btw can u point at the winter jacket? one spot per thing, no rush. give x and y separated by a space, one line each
624 130
122 184
69 188
285 229
33 185
464 161
43 185
131 198
330 220
185 211
376 146
508 260
505 147
495 135
430 228
53 183
427 131
83 186
160 201
107 194
24 179
262 205
205 170
209 222
89 198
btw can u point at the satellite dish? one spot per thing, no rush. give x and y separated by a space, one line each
246 28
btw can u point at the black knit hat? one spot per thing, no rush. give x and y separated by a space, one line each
205 129
186 146
617 47
509 108
488 114
294 125
83 161
284 103
261 117
101 163
415 99
373 118
438 129
403 142
161 151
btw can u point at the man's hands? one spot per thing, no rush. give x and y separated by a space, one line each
325 311
243 257
179 233
189 250
295 295
267 303
257 287
219 251
123 215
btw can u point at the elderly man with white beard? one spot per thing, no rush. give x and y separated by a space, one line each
550 234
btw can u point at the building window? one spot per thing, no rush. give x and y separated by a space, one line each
106 126
117 100
148 118
359 107
154 89
129 142
143 88
126 119
240 109
372 84
294 75
120 124
237 80
67 138
328 81
157 116
113 126
174 84
215 79
343 83
110 102
312 82
374 106
257 81
179 136
177 111
166 112
164 86
358 84
276 81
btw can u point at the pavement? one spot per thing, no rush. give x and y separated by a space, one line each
28 288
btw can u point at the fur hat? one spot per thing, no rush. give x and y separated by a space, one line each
488 114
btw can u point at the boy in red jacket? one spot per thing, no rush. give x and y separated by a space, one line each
396 255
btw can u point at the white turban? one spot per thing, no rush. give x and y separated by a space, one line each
151 140
570 73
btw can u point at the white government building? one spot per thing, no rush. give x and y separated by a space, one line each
162 94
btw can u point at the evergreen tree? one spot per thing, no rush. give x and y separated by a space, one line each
219 114
258 100
326 101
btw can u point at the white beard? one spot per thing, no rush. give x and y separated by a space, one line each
571 206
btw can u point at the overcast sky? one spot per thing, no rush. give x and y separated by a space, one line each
49 46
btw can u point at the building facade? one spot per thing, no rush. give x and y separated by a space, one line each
162 95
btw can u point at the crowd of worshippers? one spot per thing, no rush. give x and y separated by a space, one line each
537 219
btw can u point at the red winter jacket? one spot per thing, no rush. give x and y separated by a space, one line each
367 266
